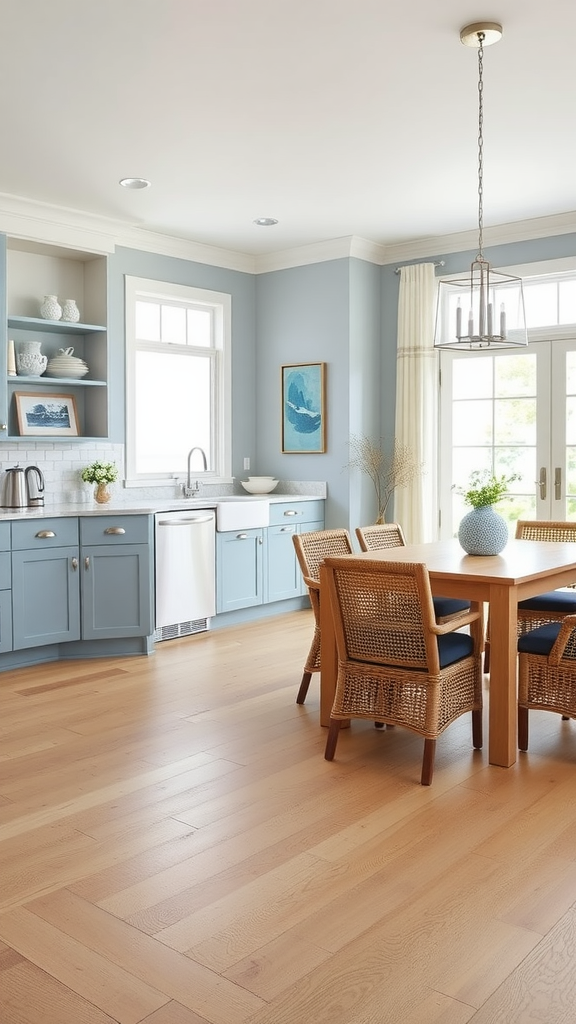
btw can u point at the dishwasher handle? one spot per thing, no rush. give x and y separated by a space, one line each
185 522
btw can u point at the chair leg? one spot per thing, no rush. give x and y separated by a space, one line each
428 762
486 657
379 725
332 740
523 728
303 687
477 730
565 718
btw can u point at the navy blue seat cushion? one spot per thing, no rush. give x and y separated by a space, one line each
453 647
450 605
562 601
541 640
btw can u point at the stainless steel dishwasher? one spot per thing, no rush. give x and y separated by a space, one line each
185 572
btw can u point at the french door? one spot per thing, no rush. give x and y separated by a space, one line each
512 413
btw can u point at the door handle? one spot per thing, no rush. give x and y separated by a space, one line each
87 563
557 483
541 483
74 564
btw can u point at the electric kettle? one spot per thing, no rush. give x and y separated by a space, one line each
34 486
14 495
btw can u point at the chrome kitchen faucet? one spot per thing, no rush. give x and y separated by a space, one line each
189 491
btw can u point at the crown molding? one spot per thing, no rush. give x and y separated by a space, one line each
518 231
75 229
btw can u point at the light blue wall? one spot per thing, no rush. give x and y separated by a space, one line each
327 312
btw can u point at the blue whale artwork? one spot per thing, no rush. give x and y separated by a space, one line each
303 409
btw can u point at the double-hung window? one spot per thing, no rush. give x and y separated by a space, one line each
177 381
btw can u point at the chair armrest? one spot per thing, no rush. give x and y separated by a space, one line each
457 622
566 633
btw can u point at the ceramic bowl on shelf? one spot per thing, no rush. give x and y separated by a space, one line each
66 366
259 484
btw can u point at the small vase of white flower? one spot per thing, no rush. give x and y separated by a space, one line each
102 474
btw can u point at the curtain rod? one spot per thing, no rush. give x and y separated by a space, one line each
440 263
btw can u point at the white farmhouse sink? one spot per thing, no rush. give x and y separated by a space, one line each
242 514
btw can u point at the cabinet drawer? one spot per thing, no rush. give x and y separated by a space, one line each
296 511
116 529
26 534
4 536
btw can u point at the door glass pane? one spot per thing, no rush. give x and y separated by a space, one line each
567 292
472 422
541 302
472 378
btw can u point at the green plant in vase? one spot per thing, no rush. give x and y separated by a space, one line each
483 531
102 474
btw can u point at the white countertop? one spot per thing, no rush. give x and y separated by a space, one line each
139 507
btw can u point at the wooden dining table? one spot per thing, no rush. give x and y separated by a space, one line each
523 569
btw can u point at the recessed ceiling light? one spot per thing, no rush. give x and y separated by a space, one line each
265 222
135 183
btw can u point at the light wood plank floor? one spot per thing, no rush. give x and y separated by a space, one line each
176 850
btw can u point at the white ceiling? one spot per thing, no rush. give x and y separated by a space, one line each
338 117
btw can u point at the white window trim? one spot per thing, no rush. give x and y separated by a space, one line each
221 302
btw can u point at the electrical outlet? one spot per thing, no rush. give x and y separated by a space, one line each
246 463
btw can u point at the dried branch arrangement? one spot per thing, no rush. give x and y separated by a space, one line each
386 471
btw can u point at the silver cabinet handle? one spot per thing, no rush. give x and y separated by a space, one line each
74 564
42 534
557 483
87 563
3 426
260 540
292 512
541 483
115 530
241 536
286 529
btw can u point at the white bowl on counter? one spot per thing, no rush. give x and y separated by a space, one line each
259 484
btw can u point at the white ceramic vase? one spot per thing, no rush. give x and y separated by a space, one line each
51 308
29 359
70 311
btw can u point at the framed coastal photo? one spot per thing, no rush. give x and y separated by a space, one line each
46 415
303 414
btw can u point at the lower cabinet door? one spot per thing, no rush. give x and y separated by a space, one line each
283 570
239 569
45 597
117 591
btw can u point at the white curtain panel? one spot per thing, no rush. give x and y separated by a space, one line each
416 506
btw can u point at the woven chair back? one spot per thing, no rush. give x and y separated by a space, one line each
383 613
527 529
312 548
380 535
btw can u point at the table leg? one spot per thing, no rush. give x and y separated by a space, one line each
502 734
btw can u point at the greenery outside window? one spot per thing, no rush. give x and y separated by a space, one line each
177 381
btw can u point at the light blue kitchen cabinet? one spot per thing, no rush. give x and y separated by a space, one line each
239 569
117 577
5 589
284 578
45 582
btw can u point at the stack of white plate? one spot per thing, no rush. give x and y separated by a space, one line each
64 365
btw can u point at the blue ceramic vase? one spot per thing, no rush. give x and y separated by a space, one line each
483 532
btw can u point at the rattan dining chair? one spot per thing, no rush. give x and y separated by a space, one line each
547 672
390 535
396 663
311 549
552 606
